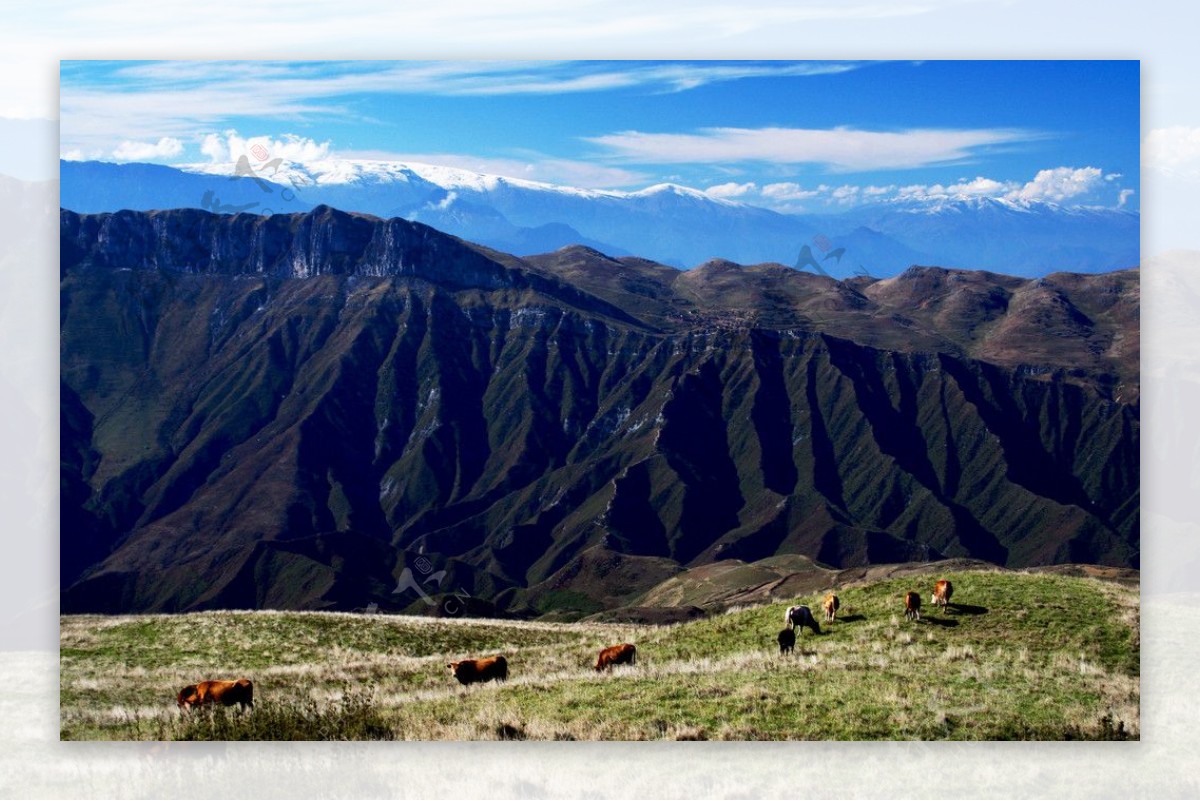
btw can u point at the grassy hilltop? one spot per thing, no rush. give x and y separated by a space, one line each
1023 656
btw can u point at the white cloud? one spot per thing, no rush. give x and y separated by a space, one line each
164 148
730 190
787 192
845 195
230 146
1173 151
1059 184
979 187
921 191
214 147
1056 185
444 203
842 149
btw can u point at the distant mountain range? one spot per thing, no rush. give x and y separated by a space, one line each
670 224
288 411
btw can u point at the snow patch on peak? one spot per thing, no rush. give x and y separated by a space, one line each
362 172
680 191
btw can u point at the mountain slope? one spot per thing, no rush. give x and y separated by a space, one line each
287 411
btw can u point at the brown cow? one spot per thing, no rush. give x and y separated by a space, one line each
912 606
623 654
223 693
470 671
941 593
831 605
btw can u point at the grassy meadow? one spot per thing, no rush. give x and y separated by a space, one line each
1017 656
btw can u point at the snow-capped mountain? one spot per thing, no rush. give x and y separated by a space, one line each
668 223
1018 237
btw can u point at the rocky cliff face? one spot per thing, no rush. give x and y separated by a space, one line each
287 411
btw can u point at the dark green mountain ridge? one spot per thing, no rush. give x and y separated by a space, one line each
286 411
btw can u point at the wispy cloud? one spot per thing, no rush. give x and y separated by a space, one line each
303 82
840 149
102 105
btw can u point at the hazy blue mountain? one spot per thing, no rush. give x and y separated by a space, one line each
670 224
1019 238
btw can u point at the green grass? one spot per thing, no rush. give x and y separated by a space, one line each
1023 656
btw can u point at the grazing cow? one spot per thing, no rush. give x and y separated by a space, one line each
831 605
787 641
224 693
941 593
623 654
469 671
801 616
912 606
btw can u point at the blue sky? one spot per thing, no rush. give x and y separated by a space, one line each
795 136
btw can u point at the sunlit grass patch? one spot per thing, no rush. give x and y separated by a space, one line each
1016 656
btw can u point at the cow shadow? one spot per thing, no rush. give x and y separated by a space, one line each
798 652
940 621
966 609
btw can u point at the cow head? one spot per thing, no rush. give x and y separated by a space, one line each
187 697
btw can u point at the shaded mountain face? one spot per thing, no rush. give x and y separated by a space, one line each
671 224
300 411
